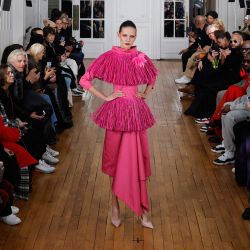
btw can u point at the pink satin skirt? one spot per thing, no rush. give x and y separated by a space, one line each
126 159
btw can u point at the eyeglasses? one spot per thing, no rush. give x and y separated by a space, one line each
233 41
246 61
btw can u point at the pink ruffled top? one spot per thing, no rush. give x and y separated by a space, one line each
125 69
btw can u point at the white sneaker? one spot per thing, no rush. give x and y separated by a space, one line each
11 220
51 151
49 158
226 158
15 210
183 80
44 167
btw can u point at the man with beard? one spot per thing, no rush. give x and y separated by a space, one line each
233 113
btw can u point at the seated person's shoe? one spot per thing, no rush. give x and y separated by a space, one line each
11 220
202 120
218 149
15 210
226 158
51 151
183 80
47 157
204 129
44 167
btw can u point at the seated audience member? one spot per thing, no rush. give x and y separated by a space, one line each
217 71
28 134
236 90
8 50
59 39
246 27
7 210
66 27
9 138
28 104
36 36
211 17
74 51
37 52
66 81
195 59
31 105
232 113
49 38
202 40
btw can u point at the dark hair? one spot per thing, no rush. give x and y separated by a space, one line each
219 34
3 69
212 13
48 30
8 50
34 30
127 23
55 14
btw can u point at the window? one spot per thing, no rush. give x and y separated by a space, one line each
174 18
92 14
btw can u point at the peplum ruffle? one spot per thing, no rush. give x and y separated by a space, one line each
124 114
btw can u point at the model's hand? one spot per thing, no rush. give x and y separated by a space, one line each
141 95
114 95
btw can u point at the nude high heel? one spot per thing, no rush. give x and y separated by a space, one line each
116 222
145 222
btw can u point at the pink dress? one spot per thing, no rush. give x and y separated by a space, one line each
125 151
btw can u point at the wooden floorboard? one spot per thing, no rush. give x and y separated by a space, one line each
194 204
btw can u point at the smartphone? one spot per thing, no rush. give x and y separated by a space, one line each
49 65
62 39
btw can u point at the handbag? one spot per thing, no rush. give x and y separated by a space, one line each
1 171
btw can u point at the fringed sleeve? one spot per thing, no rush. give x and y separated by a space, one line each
85 81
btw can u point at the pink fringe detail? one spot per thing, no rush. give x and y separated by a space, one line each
139 60
124 114
124 68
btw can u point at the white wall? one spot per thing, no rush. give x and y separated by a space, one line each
13 23
5 28
231 14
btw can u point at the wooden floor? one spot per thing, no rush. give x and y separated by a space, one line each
195 205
